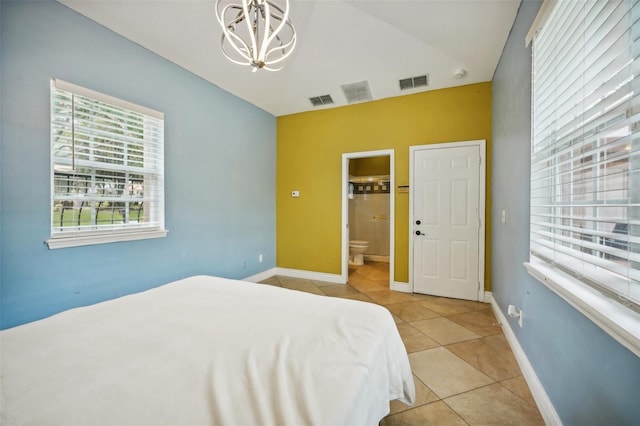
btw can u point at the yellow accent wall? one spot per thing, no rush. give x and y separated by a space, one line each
309 159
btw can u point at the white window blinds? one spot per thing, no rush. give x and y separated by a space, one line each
585 159
107 164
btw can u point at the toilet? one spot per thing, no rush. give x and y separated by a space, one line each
356 250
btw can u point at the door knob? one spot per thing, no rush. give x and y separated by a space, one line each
418 222
419 233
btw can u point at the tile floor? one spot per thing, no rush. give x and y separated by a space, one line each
464 370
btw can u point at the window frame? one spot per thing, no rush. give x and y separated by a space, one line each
618 317
102 234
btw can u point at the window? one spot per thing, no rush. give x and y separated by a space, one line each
585 156
107 169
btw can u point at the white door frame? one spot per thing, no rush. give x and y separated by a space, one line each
481 204
345 208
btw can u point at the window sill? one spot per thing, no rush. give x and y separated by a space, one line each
618 321
87 240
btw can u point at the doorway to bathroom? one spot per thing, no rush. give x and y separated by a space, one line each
368 201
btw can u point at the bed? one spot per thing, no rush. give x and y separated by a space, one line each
206 350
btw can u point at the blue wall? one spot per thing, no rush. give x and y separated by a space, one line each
589 377
219 168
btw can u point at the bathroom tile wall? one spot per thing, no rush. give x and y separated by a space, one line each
369 219
381 187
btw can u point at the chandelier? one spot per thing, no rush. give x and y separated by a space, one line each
258 32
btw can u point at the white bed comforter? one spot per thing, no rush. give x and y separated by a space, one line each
206 350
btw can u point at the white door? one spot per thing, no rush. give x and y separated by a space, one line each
446 221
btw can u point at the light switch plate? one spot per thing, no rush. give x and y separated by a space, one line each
295 194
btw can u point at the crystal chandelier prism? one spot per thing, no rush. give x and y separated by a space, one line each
257 33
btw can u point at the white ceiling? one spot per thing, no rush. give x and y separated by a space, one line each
339 42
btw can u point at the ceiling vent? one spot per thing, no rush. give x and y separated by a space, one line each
321 100
357 92
413 82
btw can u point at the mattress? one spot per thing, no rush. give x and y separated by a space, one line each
206 350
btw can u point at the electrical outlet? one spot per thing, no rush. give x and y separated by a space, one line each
504 216
520 317
514 312
260 258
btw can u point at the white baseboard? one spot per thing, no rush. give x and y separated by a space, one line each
400 286
295 273
261 275
310 275
545 406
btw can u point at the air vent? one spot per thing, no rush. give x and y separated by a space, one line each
357 92
413 82
321 100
